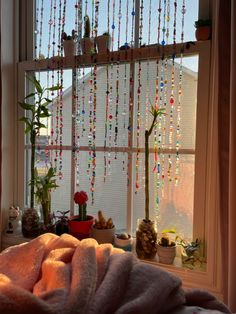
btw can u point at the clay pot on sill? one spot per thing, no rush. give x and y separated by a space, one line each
69 47
166 254
87 45
103 43
103 235
80 229
203 33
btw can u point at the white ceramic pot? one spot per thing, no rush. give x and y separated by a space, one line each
125 244
87 45
103 43
166 254
69 47
103 235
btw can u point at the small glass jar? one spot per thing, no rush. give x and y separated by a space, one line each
30 223
146 239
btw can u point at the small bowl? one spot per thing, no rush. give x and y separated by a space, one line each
125 244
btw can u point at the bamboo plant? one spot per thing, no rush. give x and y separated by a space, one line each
37 110
155 113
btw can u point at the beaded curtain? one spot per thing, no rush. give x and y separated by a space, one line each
161 22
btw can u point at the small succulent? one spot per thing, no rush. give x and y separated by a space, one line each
102 223
86 27
73 36
165 241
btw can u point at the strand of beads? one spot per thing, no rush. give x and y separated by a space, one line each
164 24
36 29
124 112
117 78
110 117
178 127
137 184
41 30
132 26
107 99
147 67
93 179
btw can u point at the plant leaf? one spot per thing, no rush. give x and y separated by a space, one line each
54 88
26 106
30 95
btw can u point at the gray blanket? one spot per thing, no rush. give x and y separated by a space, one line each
58 275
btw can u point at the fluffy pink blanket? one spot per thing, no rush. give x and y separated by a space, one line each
54 274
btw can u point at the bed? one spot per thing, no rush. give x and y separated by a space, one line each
55 275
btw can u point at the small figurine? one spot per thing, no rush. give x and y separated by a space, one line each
14 223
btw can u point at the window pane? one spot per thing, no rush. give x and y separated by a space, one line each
109 196
59 124
49 22
191 15
188 100
61 196
176 204
112 110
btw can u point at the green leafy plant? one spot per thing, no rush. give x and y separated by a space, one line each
201 22
86 27
44 185
37 110
155 113
189 247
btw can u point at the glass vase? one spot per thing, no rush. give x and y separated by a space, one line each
146 239
30 223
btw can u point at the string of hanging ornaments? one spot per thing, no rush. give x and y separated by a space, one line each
128 93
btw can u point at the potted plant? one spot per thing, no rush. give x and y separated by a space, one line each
166 250
37 110
69 43
44 185
190 251
87 43
80 225
103 42
123 241
203 29
146 233
103 230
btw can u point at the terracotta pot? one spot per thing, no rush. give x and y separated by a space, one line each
69 47
103 43
103 235
166 254
203 33
80 229
87 45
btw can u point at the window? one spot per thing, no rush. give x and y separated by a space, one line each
116 191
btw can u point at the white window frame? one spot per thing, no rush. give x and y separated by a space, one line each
205 197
